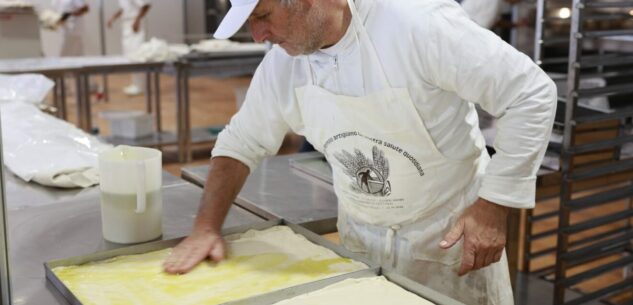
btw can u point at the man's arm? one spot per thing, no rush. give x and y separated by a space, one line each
137 22
114 17
81 11
224 181
460 57
78 12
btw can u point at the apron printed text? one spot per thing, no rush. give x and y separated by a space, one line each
394 147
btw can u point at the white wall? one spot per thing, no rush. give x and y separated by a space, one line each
195 20
164 21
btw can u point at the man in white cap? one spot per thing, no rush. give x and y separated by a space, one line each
133 35
380 87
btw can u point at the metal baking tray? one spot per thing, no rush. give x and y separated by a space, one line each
406 283
158 245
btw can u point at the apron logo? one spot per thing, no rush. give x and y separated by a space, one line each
370 176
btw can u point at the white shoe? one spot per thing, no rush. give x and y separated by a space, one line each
132 90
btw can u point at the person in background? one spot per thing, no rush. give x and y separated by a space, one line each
386 90
72 25
133 35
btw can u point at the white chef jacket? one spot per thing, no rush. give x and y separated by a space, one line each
73 26
131 8
72 29
444 59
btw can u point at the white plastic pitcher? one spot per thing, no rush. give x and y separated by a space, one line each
131 201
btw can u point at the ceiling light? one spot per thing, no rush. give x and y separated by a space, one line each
564 13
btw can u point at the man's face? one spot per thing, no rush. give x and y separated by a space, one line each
298 28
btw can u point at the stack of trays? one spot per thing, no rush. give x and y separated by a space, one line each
267 263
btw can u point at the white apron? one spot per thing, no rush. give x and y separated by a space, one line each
131 42
72 41
398 195
72 29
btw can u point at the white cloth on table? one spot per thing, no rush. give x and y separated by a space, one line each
158 50
41 148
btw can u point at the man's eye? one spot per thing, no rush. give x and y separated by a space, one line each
262 16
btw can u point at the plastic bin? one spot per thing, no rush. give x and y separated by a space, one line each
129 124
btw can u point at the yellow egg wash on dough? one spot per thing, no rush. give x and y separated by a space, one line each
139 279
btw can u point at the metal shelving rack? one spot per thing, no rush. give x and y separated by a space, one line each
597 249
561 34
546 36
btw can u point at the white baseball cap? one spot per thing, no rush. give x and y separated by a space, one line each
235 18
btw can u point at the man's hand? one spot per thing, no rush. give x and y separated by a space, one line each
483 226
224 181
193 250
136 26
109 24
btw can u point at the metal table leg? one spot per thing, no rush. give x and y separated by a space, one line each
148 91
79 97
187 117
106 90
156 82
57 97
87 106
182 114
179 113
63 110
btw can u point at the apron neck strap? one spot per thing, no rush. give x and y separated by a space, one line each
367 48
367 51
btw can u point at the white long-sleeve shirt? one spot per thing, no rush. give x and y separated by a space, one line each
445 60
74 26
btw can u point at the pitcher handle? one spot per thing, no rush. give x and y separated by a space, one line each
140 187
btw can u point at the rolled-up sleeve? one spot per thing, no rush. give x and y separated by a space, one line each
257 129
461 57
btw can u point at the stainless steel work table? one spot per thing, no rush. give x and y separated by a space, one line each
53 68
71 228
217 64
118 64
81 68
275 189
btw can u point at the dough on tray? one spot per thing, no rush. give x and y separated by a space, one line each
258 262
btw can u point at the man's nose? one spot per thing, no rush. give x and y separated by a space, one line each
259 30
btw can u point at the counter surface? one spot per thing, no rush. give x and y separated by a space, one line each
278 190
43 233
